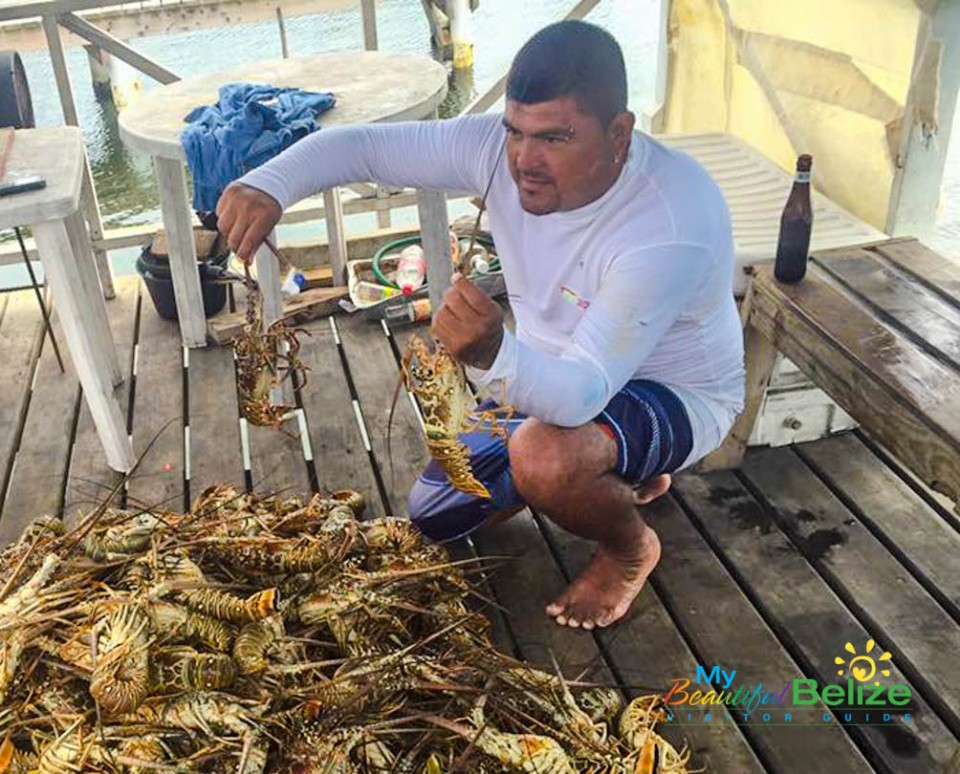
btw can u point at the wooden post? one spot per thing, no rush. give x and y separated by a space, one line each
90 295
336 236
369 10
461 33
88 194
91 212
759 355
653 119
181 251
269 280
927 120
383 216
437 33
435 238
60 73
63 272
283 33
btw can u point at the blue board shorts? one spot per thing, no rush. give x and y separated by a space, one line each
647 421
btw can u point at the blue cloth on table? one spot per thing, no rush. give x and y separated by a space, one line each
248 125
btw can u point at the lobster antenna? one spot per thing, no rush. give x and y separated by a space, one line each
464 268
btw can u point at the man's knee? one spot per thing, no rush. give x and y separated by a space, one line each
538 460
547 460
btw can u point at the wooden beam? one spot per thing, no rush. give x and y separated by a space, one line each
927 121
336 235
434 236
284 49
177 221
368 10
90 206
45 7
759 358
60 72
654 116
117 48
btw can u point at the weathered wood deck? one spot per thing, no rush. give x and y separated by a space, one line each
769 571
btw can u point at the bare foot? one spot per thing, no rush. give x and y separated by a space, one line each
605 590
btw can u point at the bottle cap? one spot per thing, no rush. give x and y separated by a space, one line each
480 265
804 162
407 290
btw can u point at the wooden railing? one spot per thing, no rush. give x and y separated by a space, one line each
366 198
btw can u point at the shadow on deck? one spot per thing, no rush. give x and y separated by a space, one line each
769 571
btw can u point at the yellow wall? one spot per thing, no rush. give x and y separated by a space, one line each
826 77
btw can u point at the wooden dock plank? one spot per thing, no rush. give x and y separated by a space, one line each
646 652
806 615
373 370
277 457
215 453
339 454
930 321
90 479
158 404
909 623
912 530
37 484
925 266
525 582
278 464
20 332
723 628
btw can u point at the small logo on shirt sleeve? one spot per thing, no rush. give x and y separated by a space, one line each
573 298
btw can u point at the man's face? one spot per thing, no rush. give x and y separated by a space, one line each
561 157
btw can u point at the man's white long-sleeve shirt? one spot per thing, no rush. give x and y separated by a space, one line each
637 284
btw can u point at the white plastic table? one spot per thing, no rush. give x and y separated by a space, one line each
369 86
57 154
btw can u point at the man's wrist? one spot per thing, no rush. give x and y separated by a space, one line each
488 355
503 365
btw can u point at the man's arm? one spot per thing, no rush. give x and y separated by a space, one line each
453 155
458 155
641 298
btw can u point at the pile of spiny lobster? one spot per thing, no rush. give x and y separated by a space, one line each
278 635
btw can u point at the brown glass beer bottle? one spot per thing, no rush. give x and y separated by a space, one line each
795 226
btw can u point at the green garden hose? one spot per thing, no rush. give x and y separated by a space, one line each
399 244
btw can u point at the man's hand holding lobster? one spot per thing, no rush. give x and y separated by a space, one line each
469 324
246 216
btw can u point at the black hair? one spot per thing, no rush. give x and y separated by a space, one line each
571 58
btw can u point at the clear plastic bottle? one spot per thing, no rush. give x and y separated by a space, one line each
372 293
411 269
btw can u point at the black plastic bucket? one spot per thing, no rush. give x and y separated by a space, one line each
155 271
